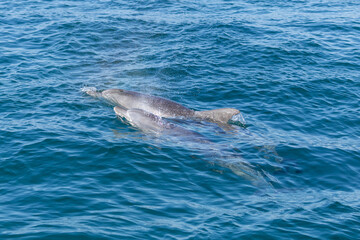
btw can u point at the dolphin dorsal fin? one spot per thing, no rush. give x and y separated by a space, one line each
222 115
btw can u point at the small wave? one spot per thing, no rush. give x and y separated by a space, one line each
238 119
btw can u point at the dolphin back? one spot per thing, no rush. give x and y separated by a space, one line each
159 106
222 115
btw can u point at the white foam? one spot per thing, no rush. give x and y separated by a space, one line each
238 118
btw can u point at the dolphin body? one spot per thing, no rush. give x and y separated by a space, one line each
151 123
160 106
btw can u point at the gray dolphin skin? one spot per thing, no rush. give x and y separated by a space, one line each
160 106
149 122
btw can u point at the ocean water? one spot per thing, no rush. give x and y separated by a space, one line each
69 169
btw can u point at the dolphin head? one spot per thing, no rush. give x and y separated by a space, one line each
123 98
121 112
146 121
115 96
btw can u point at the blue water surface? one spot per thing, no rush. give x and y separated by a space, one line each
69 169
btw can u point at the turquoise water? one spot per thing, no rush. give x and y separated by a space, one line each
69 169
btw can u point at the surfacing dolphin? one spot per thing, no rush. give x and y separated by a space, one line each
160 106
149 122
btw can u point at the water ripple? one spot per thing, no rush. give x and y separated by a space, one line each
70 169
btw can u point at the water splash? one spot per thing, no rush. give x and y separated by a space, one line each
238 119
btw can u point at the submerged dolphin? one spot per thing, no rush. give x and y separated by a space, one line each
149 122
160 106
